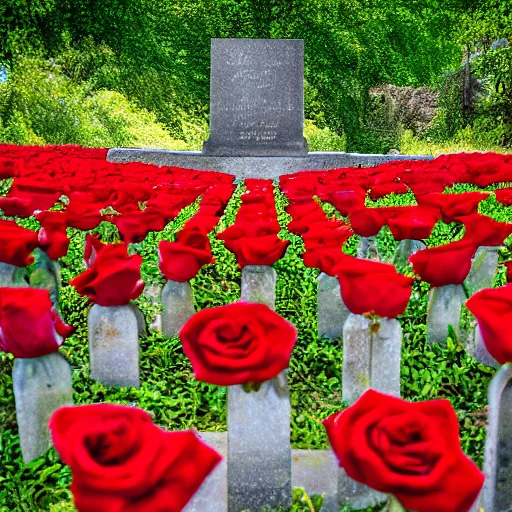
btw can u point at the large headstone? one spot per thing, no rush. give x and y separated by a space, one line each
497 492
256 98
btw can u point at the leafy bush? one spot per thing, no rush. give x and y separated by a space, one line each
40 105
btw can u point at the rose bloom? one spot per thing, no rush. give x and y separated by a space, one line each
113 279
326 260
492 308
122 462
29 324
181 260
16 244
411 450
372 287
52 235
412 222
368 221
445 264
238 343
453 206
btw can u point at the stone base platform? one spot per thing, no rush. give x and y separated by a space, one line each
265 167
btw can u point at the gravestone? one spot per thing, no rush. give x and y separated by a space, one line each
41 385
444 309
497 491
178 306
113 333
259 451
256 117
256 98
331 310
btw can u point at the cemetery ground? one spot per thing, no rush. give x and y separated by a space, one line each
178 401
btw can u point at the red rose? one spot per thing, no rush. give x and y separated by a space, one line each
412 222
372 287
181 260
453 206
368 221
384 189
346 201
52 235
83 215
16 244
492 308
411 450
446 264
484 231
135 225
122 462
29 324
258 250
504 196
303 215
329 233
16 207
238 343
93 245
113 279
324 259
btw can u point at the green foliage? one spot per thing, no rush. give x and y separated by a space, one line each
41 105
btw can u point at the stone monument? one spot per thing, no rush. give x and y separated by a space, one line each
256 116
256 98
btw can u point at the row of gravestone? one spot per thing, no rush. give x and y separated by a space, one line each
258 448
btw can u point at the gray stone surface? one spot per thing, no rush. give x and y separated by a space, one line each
480 351
368 248
497 492
355 494
212 496
313 470
386 354
41 385
404 249
114 345
6 274
331 312
256 98
252 167
483 270
357 342
259 285
444 308
259 453
178 306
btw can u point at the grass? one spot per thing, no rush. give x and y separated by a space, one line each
177 401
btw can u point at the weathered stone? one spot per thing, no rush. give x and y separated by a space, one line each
483 270
256 98
252 167
114 345
331 312
313 470
444 308
480 351
386 354
259 285
178 306
212 496
368 248
355 494
497 492
6 274
357 343
259 452
41 385
371 356
404 249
